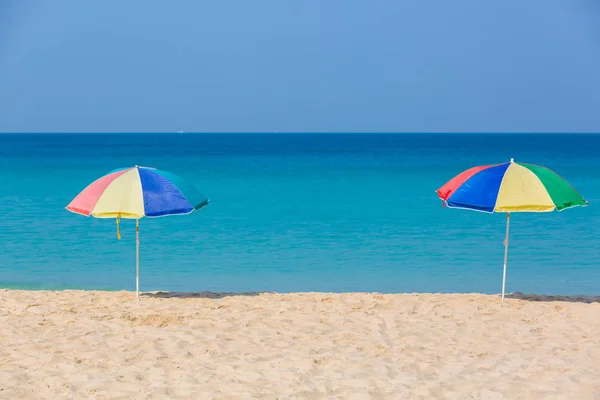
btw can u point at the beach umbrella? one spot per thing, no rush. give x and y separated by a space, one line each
509 187
134 193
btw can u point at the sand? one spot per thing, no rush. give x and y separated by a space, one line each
105 345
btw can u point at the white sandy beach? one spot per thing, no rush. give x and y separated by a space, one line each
104 345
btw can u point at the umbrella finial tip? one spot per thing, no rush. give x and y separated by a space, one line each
512 160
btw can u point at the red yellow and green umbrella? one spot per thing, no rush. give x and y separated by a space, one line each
509 187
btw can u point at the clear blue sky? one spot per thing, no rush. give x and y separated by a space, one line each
302 65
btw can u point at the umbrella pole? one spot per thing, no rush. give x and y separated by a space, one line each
137 259
505 255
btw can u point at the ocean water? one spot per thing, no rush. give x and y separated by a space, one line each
298 212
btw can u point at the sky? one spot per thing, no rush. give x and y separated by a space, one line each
299 66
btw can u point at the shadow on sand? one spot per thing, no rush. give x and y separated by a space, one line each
542 297
197 295
221 295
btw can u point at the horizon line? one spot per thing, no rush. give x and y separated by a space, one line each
293 133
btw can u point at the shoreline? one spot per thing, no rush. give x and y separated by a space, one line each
217 295
297 345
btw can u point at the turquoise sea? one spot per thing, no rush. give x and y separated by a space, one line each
297 212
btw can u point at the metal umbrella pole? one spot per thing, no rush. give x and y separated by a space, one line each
505 255
137 259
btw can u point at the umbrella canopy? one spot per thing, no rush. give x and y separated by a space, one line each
135 193
509 187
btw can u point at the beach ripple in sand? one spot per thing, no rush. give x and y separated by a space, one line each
105 345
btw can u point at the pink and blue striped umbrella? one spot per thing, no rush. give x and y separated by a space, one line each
135 193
